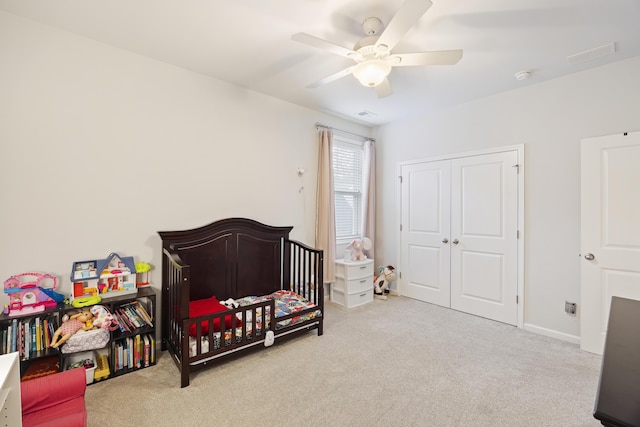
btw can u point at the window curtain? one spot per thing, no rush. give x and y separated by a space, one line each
369 196
326 216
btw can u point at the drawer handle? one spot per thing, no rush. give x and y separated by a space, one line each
363 280
363 267
362 295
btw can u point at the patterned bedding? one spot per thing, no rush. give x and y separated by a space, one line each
286 303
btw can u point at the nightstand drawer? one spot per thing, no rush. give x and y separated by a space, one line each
351 300
359 298
360 285
354 270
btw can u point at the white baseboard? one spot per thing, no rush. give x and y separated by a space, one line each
551 333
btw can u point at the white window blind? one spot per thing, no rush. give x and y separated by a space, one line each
347 182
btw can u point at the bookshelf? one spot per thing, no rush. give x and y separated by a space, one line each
130 347
14 330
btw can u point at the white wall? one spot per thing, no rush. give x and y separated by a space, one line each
550 118
101 148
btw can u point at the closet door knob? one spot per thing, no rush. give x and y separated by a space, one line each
455 241
589 257
445 240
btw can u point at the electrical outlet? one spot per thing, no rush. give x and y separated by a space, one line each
570 308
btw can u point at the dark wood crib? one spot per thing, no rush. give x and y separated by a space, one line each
234 258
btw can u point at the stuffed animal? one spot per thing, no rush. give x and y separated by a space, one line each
82 320
230 303
381 284
357 247
102 318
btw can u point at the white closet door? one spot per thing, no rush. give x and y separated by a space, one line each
484 246
425 263
610 231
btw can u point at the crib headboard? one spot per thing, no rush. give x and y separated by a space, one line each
230 258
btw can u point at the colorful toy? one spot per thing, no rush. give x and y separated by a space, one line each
357 247
102 318
82 320
114 275
385 276
31 293
86 301
143 270
102 369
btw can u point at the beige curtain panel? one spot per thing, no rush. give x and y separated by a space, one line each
369 196
326 217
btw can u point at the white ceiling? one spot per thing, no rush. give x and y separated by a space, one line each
248 43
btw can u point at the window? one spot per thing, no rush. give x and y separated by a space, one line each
348 156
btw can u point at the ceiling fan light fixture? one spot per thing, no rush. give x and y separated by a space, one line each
372 72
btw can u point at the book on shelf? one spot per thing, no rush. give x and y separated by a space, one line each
38 329
41 367
125 319
137 352
147 350
145 315
14 334
130 352
153 348
121 322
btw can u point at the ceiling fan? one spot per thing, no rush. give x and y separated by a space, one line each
372 54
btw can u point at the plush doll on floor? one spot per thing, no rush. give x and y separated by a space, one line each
381 283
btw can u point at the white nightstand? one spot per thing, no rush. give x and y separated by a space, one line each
354 283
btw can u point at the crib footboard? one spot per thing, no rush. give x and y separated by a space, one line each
303 272
175 304
211 336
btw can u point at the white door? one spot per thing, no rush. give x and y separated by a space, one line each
484 225
610 230
426 192
458 242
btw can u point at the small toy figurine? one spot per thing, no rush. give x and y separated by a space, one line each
381 283
358 246
82 320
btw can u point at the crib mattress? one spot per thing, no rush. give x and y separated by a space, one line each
286 303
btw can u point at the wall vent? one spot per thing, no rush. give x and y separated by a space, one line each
590 55
366 113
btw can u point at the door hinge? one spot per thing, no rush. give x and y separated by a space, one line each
517 168
517 234
517 299
400 274
400 177
400 227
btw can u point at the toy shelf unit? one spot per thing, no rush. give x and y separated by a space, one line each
29 321
130 346
133 345
30 337
113 276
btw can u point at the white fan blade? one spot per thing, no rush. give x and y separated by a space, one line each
324 45
384 89
441 57
332 77
405 18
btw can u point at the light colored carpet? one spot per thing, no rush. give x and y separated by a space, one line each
398 362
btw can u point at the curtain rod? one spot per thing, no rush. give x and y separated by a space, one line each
321 126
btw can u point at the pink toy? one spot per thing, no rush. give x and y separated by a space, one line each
357 246
30 293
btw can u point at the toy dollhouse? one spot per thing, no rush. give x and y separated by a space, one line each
31 293
115 275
